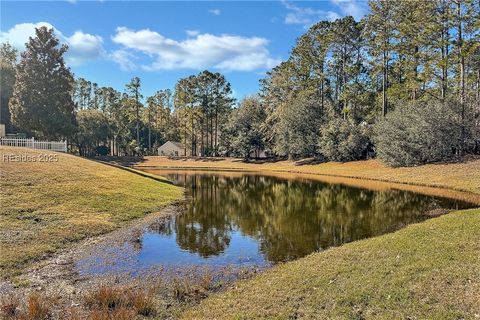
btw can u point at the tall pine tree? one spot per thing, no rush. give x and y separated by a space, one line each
42 102
8 59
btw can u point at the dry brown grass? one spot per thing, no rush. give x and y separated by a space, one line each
117 314
36 307
110 302
141 301
9 305
105 297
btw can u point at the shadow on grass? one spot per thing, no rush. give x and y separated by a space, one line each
126 161
309 161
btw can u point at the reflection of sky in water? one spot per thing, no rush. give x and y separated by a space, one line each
162 250
241 251
247 221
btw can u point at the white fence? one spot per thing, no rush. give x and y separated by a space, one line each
60 146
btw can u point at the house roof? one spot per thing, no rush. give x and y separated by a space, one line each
175 143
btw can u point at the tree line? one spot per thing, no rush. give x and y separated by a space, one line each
41 97
402 84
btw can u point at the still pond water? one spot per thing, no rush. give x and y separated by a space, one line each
253 220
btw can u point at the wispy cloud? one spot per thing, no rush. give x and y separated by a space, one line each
192 33
124 59
82 46
199 51
354 8
306 16
215 11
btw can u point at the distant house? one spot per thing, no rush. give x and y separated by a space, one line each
172 148
259 153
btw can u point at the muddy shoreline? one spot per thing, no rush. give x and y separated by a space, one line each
57 275
57 280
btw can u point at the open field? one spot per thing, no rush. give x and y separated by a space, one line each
463 176
429 270
48 205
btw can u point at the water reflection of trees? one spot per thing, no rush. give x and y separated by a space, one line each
289 218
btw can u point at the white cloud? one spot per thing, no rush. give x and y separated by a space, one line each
124 59
354 8
192 33
82 46
18 35
215 11
224 52
307 16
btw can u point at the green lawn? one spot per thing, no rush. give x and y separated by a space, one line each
429 270
45 206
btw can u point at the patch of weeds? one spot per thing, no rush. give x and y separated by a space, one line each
19 282
206 280
38 308
73 313
141 301
107 302
180 288
9 306
117 314
186 289
105 297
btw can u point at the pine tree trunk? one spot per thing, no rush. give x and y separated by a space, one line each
203 138
211 134
216 128
385 84
444 50
149 140
462 76
138 117
193 142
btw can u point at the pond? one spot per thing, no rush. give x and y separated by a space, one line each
244 220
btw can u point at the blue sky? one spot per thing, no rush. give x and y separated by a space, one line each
112 41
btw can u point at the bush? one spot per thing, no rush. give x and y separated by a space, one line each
296 131
102 150
418 133
342 140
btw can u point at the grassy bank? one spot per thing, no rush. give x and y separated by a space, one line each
429 270
45 206
464 176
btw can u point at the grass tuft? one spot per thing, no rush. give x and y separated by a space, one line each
141 301
9 306
105 297
117 302
38 308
